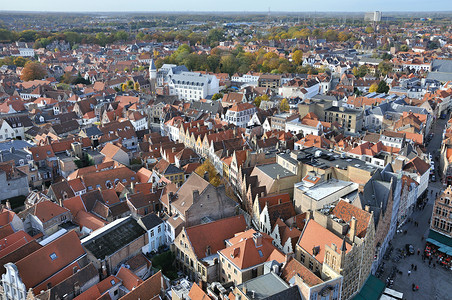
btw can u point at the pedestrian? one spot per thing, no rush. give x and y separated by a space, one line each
413 286
429 262
409 272
415 267
434 266
418 251
412 266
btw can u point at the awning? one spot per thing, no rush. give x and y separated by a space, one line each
444 243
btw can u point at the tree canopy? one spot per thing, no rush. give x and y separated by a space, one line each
33 70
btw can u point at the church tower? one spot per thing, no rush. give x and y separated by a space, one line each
153 77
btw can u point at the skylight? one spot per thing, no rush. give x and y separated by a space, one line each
53 256
260 253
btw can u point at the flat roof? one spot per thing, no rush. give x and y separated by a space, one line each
264 286
324 189
106 242
272 170
326 159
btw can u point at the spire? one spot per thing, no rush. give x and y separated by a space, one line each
343 247
152 65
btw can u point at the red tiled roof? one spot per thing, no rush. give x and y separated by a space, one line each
214 234
346 211
315 235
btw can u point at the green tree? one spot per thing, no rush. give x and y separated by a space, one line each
404 48
101 39
369 29
362 71
121 35
215 35
385 67
297 57
19 61
258 100
136 86
382 87
217 96
228 64
284 105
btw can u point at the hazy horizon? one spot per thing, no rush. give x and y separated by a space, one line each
232 6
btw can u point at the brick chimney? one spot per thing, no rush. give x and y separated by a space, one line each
257 237
352 231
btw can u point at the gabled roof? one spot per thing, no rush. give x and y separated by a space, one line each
296 268
346 211
47 210
149 290
417 165
184 198
197 293
245 253
50 259
316 236
150 221
214 234
129 280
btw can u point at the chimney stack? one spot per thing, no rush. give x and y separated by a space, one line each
352 229
257 237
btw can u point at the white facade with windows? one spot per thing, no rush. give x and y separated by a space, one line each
13 287
240 114
193 86
7 132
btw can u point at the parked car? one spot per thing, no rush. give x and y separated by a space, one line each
433 178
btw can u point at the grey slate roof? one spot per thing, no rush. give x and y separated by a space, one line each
150 221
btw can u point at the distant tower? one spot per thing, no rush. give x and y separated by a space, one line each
153 76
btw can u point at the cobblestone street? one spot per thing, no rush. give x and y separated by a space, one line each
434 283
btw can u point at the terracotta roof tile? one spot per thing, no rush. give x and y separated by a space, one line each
315 235
214 234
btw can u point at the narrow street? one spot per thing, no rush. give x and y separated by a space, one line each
434 283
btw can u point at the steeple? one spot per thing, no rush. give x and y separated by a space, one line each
152 70
153 76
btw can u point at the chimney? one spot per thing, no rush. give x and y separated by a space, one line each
206 176
352 231
257 237
334 247
367 208
195 195
244 289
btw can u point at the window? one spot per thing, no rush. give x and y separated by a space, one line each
311 265
152 233
53 256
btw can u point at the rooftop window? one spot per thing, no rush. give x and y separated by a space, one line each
53 256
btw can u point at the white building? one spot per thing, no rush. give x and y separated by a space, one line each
193 86
297 87
13 287
25 52
155 229
306 127
246 78
6 131
240 114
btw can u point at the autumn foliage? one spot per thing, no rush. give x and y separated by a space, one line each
32 71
